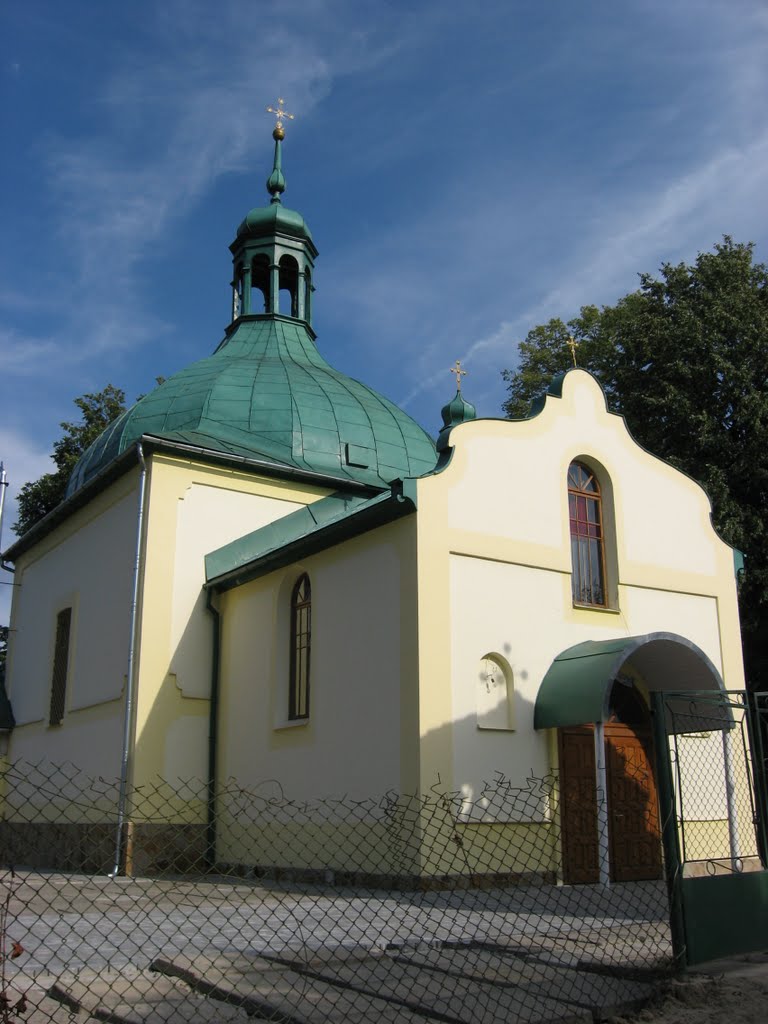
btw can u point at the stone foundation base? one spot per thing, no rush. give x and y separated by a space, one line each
90 848
149 850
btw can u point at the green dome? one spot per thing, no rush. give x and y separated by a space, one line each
455 412
266 221
267 393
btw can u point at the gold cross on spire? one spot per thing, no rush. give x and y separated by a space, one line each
459 373
280 114
572 345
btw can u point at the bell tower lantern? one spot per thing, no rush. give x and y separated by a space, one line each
273 253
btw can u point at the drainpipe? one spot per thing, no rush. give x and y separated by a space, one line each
130 689
213 732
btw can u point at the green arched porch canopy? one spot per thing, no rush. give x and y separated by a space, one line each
577 686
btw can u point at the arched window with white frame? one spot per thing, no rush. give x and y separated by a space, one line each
301 643
585 512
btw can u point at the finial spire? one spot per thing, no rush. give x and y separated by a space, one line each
276 180
279 131
459 373
572 345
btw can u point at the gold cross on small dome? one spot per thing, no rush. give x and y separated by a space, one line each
572 345
459 373
280 114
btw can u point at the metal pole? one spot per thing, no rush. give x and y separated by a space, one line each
213 731
673 868
730 800
601 779
122 799
3 489
755 728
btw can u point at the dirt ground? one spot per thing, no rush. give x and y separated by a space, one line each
705 1000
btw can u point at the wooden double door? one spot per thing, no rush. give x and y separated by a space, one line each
634 834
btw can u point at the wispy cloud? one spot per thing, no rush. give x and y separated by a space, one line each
511 193
670 184
167 138
23 461
163 130
688 214
23 353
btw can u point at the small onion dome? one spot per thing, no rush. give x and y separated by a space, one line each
266 221
455 412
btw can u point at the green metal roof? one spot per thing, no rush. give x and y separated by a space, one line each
457 411
268 221
578 683
268 393
305 531
265 221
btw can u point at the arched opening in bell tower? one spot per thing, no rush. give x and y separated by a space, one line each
307 295
237 293
260 282
289 286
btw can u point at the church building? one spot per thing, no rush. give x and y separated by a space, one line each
266 570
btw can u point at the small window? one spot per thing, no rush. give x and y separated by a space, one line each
587 543
60 666
301 641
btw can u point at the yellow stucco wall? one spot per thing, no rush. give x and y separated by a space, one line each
402 617
192 509
85 563
360 738
494 574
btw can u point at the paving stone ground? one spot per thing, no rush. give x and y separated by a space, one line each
132 951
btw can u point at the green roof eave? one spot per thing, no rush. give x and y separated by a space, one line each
304 532
577 687
199 446
200 452
66 508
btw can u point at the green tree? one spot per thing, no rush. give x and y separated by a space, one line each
38 497
685 359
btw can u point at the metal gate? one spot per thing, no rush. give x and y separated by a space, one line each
711 762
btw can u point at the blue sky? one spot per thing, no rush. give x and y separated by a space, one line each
467 171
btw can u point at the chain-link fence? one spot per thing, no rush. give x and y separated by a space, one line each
715 769
255 905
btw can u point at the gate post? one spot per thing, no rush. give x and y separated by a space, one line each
673 868
756 731
601 772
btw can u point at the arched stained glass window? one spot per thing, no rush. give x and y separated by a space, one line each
301 641
587 542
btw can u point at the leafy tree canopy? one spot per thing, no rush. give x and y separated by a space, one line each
39 497
685 359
